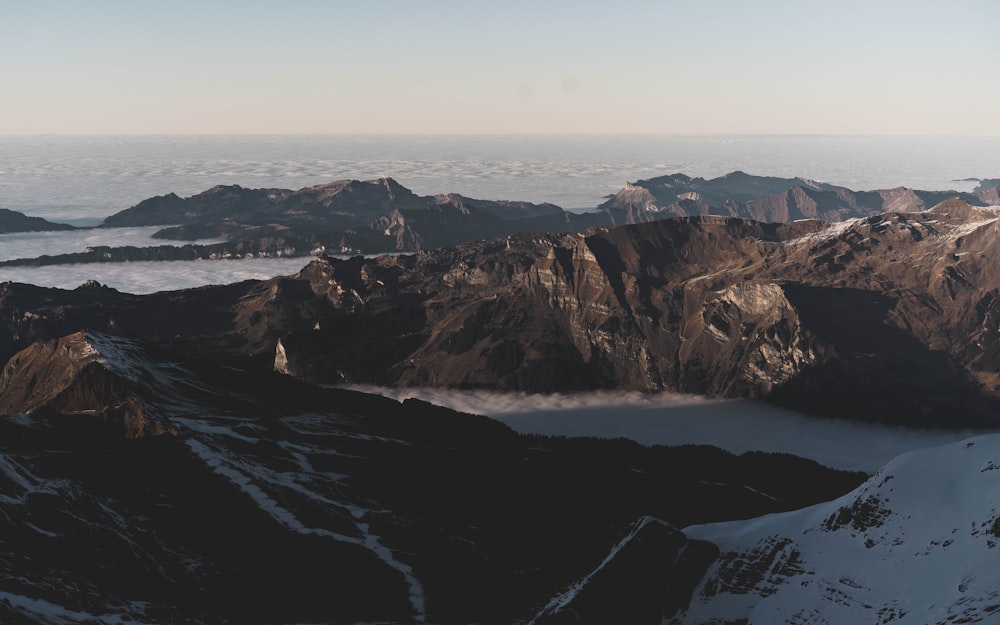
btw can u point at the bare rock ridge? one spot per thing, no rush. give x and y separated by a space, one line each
894 317
264 499
347 215
765 198
74 375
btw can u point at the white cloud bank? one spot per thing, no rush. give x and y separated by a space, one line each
672 419
142 277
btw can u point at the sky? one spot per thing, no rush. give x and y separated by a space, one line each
514 67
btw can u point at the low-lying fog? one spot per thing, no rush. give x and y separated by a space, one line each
138 277
142 277
673 419
34 244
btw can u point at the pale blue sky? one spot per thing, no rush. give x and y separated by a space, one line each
299 66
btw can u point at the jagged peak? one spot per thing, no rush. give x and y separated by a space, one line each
84 373
386 181
335 187
809 182
93 285
79 349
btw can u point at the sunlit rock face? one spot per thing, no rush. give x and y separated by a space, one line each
893 317
84 373
867 311
605 309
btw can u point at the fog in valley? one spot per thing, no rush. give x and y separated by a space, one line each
737 426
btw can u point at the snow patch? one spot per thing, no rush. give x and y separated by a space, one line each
54 614
563 599
266 486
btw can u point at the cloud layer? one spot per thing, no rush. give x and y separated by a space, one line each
672 419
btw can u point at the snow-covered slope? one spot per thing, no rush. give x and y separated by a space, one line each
918 543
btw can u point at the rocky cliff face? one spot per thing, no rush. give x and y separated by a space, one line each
892 317
538 312
73 375
875 317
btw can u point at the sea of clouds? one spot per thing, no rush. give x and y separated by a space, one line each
737 426
132 277
144 277
81 180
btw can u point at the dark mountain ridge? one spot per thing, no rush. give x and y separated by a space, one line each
382 216
374 216
264 499
13 221
764 198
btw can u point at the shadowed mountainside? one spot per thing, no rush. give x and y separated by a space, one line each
259 498
13 221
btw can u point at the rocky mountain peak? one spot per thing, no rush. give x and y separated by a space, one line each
85 373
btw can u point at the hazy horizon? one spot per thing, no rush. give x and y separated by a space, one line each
443 67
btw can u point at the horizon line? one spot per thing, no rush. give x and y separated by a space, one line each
500 134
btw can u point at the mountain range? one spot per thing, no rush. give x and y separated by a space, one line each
892 317
768 198
185 457
382 216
